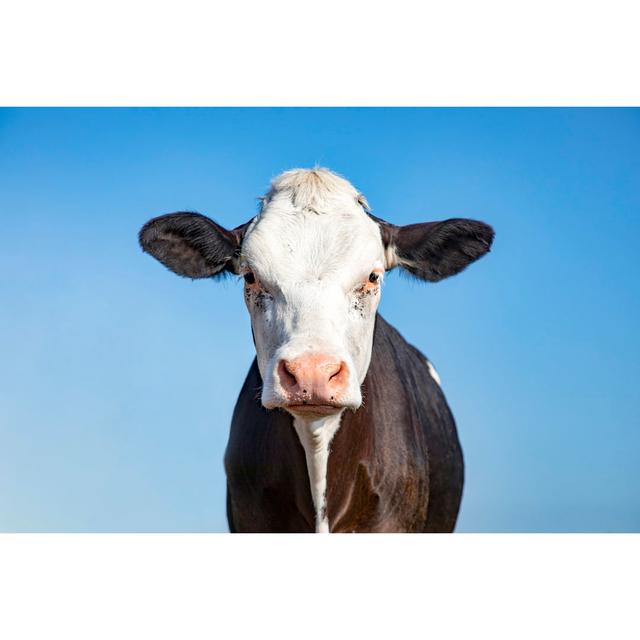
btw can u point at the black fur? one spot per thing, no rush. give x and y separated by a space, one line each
191 244
436 250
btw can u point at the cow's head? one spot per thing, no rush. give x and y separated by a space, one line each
313 262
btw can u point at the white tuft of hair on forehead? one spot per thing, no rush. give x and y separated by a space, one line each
313 190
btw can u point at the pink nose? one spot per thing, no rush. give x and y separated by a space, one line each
313 379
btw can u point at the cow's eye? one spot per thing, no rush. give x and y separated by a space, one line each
249 278
374 277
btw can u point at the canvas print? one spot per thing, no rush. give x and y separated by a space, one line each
320 320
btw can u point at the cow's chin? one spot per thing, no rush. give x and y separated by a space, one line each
310 410
313 411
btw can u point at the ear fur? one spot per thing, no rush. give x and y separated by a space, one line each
190 244
433 251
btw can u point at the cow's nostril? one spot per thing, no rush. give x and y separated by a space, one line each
338 372
287 376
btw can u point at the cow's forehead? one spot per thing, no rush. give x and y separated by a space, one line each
312 225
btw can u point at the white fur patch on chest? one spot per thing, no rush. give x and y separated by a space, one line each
315 437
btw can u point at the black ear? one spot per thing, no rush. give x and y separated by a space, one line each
436 250
191 244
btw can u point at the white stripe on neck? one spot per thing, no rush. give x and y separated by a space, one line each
315 437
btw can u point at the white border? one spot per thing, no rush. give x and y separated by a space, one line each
296 586
328 52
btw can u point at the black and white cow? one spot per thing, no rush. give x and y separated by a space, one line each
341 424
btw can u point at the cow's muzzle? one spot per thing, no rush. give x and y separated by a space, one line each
314 384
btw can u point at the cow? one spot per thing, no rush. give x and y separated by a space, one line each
341 425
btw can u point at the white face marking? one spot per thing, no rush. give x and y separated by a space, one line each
311 251
310 255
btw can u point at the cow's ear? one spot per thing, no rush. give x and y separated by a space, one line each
436 250
191 244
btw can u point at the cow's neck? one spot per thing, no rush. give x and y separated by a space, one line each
315 437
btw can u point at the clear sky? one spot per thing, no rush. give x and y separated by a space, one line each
118 379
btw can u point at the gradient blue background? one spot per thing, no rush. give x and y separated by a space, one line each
118 379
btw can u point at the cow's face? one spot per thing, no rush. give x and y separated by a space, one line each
313 262
313 266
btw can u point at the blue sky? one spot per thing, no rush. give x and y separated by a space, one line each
118 379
